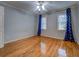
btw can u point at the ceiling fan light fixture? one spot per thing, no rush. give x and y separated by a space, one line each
43 7
38 8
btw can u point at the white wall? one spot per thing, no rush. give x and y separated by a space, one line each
75 22
17 25
1 26
78 25
52 31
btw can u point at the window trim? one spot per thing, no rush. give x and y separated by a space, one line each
60 13
46 23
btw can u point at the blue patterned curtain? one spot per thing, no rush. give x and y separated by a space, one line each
39 25
69 32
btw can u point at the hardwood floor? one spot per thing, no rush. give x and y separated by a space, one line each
40 46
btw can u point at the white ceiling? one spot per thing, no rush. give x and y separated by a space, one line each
50 5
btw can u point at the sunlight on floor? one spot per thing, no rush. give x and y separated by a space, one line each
62 53
43 47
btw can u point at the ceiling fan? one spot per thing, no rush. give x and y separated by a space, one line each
40 5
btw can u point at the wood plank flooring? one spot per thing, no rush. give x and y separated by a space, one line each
39 46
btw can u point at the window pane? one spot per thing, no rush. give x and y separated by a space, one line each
43 25
62 22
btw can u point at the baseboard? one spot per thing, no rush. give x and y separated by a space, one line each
52 37
18 39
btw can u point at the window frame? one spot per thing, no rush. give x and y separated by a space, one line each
44 16
58 14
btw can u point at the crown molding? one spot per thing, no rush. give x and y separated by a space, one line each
18 9
8 5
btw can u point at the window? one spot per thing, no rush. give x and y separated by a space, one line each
62 21
43 24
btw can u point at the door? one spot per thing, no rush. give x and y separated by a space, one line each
1 26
